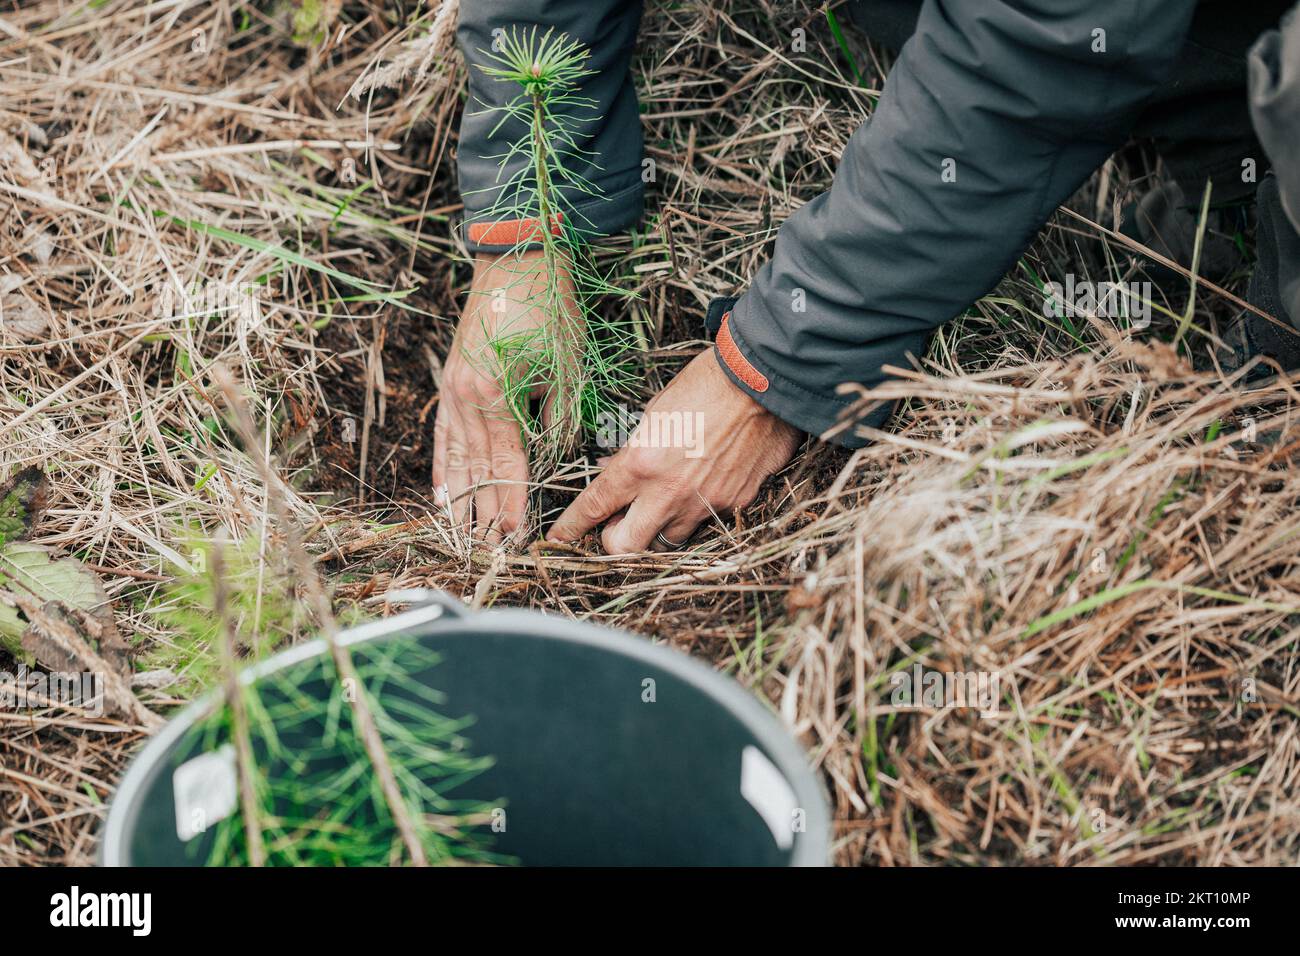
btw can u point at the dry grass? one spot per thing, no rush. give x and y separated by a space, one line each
1076 510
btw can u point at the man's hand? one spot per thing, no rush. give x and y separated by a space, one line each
479 459
729 445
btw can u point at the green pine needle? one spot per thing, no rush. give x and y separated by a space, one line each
577 355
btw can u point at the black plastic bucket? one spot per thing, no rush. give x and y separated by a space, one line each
598 766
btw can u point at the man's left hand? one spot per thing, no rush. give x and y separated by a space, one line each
726 445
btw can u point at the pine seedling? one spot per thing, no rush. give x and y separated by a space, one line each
575 355
342 759
313 795
263 610
308 790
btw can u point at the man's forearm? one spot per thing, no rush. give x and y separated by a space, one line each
936 196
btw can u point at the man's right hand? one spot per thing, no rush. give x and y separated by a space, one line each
479 459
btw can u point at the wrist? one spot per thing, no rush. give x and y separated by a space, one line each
486 260
746 404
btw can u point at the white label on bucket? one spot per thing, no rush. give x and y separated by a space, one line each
769 793
206 791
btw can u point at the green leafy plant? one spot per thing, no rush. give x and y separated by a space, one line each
310 20
577 355
35 571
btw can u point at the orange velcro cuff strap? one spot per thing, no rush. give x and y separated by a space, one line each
512 232
738 364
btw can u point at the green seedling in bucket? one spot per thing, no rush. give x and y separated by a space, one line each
280 773
312 785
341 759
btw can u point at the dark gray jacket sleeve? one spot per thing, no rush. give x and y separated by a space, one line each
609 134
1274 81
994 113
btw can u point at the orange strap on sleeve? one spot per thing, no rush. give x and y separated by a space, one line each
738 364
512 232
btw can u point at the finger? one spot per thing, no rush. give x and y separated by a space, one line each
450 472
456 476
637 529
611 490
487 511
460 497
678 531
441 426
509 464
612 522
480 473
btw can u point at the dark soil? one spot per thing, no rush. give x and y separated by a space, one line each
399 451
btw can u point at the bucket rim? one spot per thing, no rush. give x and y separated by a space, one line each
438 611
